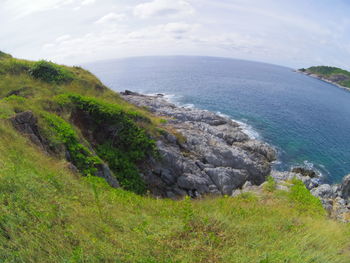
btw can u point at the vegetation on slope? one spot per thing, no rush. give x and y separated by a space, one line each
334 74
62 132
46 89
128 145
49 214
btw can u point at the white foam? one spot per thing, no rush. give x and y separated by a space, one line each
175 99
246 128
249 130
188 106
311 166
222 114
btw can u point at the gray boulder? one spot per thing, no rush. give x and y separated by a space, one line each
106 173
194 182
227 179
259 147
345 187
305 172
27 124
323 191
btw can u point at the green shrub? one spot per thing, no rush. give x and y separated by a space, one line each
50 72
81 156
132 140
15 99
270 185
303 200
101 110
123 167
130 145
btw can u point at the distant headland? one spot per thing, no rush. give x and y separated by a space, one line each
333 75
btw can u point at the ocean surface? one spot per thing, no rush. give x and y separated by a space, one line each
306 119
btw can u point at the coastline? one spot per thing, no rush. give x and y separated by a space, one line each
211 154
204 153
322 79
246 128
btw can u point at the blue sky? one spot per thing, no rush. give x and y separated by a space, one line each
293 33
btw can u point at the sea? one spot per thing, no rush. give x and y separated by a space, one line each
307 120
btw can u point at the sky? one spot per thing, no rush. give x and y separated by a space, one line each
293 33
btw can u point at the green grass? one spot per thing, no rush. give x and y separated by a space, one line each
55 92
61 132
270 185
49 214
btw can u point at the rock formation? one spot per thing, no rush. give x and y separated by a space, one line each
210 155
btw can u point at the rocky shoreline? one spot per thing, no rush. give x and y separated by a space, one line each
205 153
316 76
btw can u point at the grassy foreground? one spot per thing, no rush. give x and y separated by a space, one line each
49 214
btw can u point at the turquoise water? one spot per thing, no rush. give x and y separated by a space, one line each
306 119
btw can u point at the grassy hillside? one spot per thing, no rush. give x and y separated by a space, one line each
337 75
50 214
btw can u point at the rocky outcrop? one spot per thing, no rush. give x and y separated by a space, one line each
27 123
104 172
335 198
345 187
205 154
304 172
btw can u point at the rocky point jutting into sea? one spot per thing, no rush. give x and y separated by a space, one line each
211 154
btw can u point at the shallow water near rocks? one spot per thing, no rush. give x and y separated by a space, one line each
306 119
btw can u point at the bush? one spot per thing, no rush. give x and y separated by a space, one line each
81 157
129 145
303 200
123 167
50 72
270 185
131 139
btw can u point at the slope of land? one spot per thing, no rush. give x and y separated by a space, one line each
336 76
58 163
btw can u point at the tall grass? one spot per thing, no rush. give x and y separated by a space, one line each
49 214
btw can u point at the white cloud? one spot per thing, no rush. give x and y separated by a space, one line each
63 38
21 8
163 8
178 28
111 18
88 2
114 40
282 32
169 31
